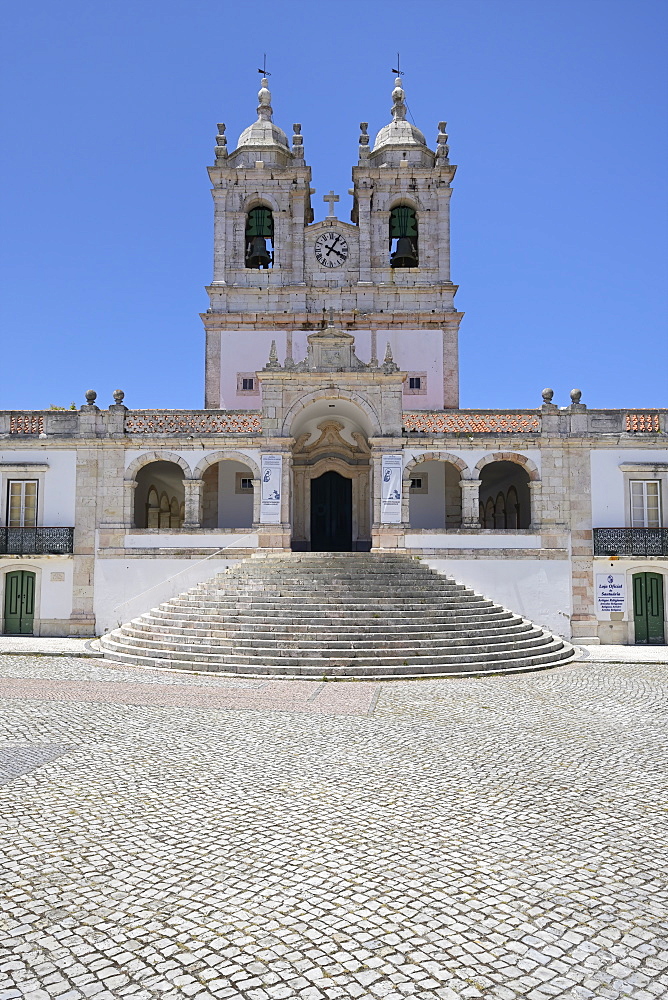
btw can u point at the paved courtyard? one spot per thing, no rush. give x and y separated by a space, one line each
180 836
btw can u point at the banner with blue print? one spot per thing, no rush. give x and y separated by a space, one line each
390 494
270 497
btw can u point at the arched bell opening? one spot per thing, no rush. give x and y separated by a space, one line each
259 238
505 498
160 496
435 495
227 495
404 237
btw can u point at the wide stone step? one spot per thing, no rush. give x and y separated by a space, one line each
358 646
333 615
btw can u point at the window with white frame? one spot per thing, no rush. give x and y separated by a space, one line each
645 503
22 503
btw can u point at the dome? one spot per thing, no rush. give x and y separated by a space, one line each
399 133
263 134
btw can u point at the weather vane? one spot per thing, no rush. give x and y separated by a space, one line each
264 71
397 70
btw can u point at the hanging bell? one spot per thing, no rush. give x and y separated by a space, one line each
257 255
405 254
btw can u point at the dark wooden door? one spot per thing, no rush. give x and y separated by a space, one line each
331 513
648 609
19 602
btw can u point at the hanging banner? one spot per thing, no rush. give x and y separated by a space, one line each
390 496
610 592
270 502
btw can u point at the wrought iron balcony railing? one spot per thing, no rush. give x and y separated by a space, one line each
631 541
36 541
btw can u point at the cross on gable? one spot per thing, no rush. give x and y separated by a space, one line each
332 199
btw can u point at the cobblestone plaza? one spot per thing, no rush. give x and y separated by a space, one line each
182 836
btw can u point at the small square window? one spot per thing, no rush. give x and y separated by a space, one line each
247 384
419 483
416 384
243 484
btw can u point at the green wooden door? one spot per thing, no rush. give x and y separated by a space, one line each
19 602
648 609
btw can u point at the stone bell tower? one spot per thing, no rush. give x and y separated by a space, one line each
386 274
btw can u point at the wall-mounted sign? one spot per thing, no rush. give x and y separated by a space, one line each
610 592
390 494
270 502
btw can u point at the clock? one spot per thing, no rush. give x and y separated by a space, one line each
331 250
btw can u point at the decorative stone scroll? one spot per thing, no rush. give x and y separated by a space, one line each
29 423
647 423
193 423
472 423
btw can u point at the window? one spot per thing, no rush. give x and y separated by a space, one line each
415 384
247 384
645 503
419 483
243 484
22 503
259 253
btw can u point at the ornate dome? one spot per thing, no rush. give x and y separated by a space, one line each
399 132
263 133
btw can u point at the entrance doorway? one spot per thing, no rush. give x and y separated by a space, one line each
331 513
648 609
19 602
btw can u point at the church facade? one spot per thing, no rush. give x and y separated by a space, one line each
332 422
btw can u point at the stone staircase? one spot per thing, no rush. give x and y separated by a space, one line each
337 615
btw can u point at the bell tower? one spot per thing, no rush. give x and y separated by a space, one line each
277 273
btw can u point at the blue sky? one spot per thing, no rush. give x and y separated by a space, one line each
557 119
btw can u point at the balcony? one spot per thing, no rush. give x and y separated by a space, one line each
36 541
631 541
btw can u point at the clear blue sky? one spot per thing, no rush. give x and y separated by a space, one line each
557 120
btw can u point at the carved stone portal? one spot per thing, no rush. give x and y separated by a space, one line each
331 452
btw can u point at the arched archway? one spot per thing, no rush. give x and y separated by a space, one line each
331 510
504 492
432 494
159 496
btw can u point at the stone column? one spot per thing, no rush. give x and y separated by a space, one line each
364 210
193 503
82 618
470 503
536 501
129 487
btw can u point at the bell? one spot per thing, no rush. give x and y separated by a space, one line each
257 255
405 254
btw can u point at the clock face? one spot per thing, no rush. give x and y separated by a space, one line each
331 250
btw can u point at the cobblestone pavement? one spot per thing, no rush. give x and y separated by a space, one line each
500 837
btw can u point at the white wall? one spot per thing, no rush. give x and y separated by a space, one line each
57 493
537 589
608 498
126 588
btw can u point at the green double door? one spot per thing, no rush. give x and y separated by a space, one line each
19 602
648 609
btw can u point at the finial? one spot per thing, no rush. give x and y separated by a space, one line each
221 140
273 362
119 396
548 395
398 94
389 365
264 108
442 148
91 396
576 396
297 140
